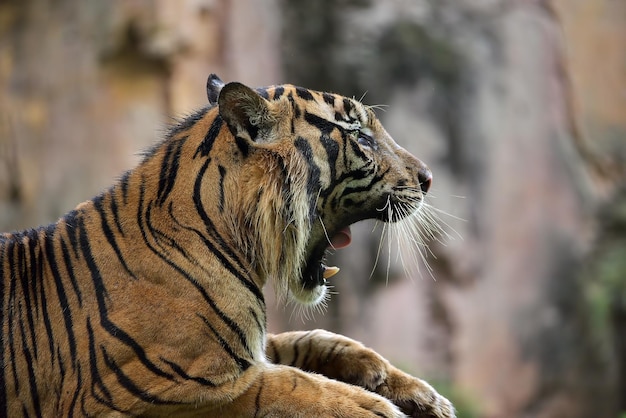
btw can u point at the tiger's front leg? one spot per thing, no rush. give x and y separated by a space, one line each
281 391
346 360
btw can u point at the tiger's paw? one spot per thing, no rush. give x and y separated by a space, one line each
356 364
414 397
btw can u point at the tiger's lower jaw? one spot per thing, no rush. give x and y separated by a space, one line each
312 286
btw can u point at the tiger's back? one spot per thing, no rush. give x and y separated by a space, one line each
148 298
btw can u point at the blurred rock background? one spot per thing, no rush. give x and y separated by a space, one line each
518 106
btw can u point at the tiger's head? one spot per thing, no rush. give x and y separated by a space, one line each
303 167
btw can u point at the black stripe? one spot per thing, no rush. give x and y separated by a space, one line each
243 145
179 371
308 351
332 153
71 221
260 325
127 383
347 107
209 139
115 212
257 398
304 94
67 259
83 409
39 274
65 306
276 359
330 354
222 171
44 302
357 150
241 362
359 189
253 131
170 241
169 169
79 386
61 372
108 233
32 379
24 281
158 235
329 98
96 380
296 350
294 105
278 92
313 181
322 124
12 303
188 122
358 173
161 239
33 272
124 181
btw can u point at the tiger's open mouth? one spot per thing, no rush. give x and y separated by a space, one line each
316 272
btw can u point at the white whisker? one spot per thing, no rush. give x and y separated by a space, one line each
381 107
326 233
411 227
419 224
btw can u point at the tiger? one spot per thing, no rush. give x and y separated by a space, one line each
147 300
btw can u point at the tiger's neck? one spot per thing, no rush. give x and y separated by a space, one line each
200 197
175 225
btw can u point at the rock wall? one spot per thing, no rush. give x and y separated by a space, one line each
86 85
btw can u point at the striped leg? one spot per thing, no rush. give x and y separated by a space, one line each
349 361
283 391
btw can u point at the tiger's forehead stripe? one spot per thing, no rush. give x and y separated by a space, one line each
349 114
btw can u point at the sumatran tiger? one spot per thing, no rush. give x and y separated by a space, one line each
147 300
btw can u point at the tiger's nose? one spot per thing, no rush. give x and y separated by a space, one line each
425 178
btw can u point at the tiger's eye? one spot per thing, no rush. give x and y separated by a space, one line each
366 140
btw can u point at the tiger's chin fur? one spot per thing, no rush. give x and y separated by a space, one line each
147 300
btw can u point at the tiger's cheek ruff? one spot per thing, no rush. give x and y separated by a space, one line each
268 205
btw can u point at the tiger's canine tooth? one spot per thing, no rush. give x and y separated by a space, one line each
330 271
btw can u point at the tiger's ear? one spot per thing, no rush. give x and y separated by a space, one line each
246 113
213 87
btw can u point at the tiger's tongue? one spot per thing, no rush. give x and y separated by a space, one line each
342 238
